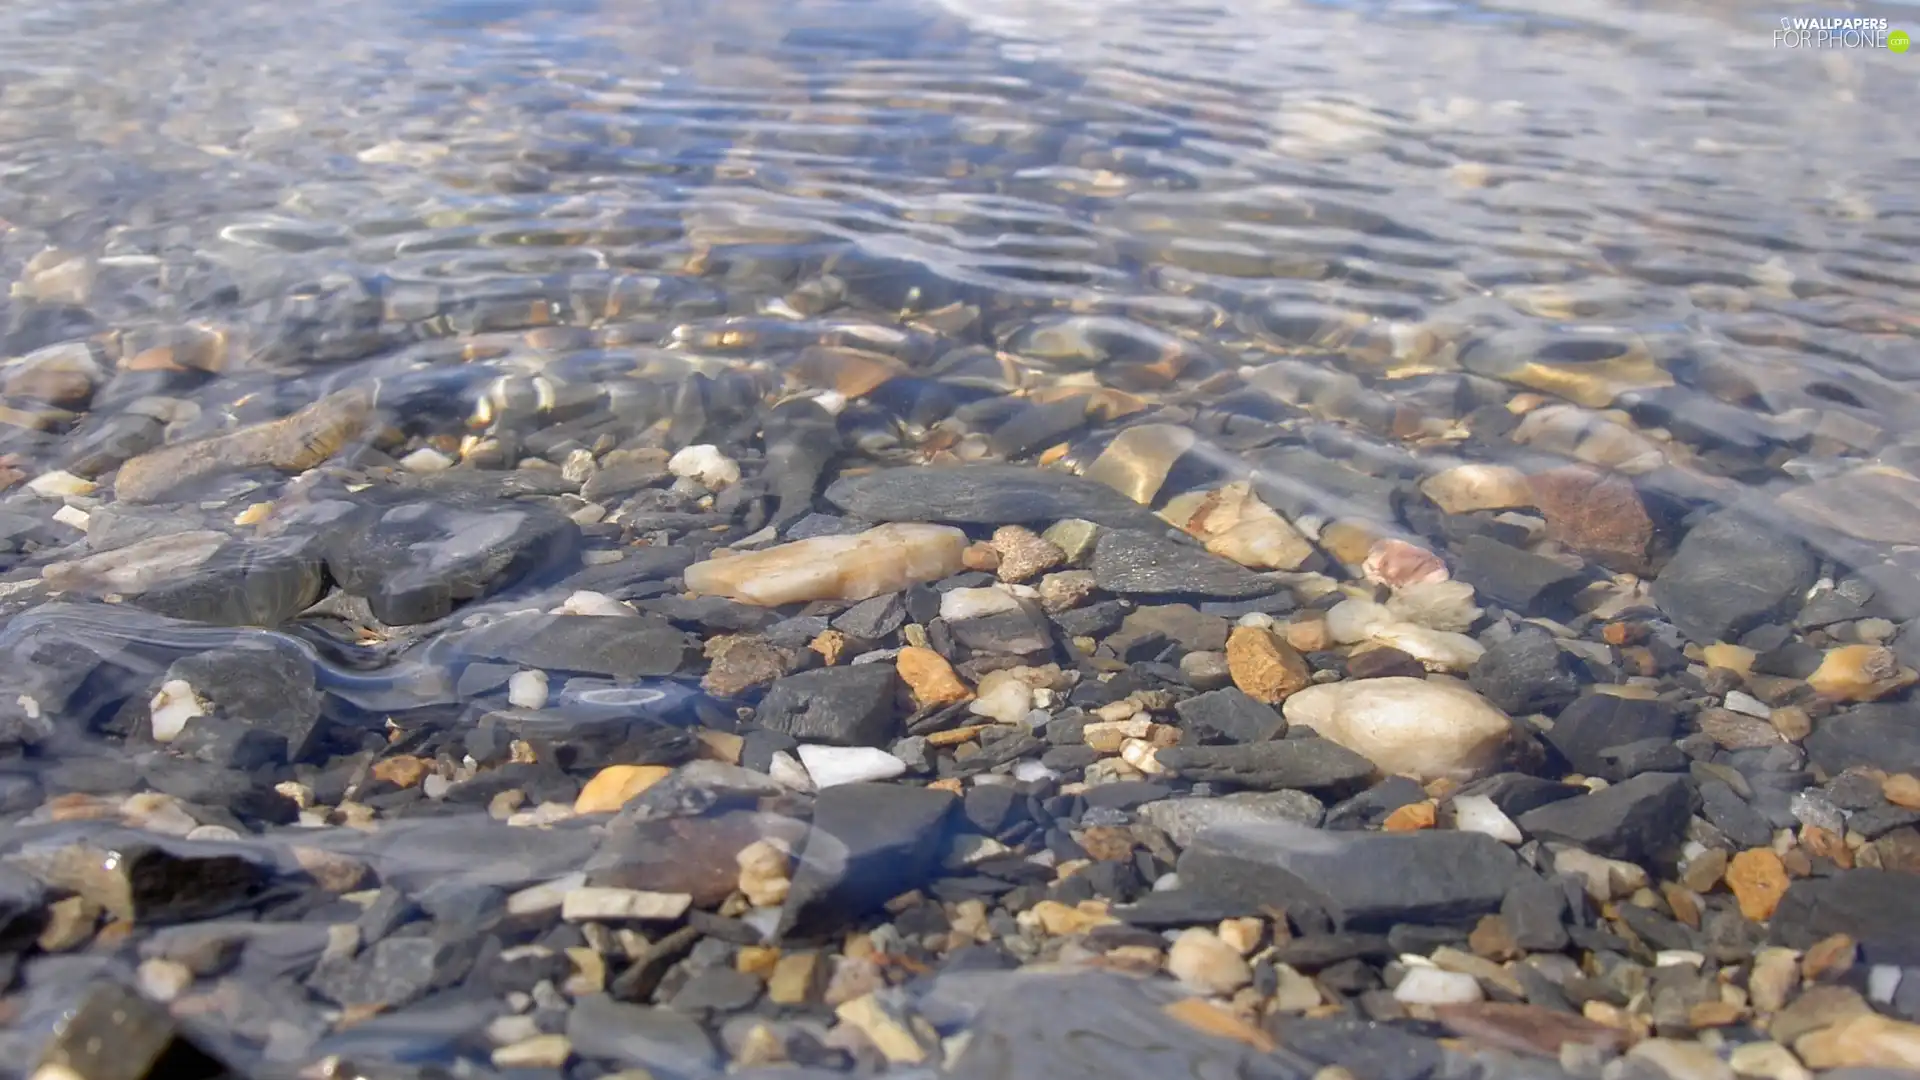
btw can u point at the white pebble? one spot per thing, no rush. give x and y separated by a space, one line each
592 904
958 604
832 765
73 517
593 603
1004 700
787 771
1028 772
1477 813
212 832
833 401
426 460
1678 958
705 464
164 980
527 689
1432 986
172 707
1883 980
1258 620
1742 702
58 485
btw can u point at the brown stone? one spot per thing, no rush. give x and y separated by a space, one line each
1411 818
291 444
980 556
930 677
797 978
1493 940
1823 844
1264 667
1711 1014
1106 843
956 736
1307 632
1597 514
1384 662
1818 1007
614 786
1623 633
1684 903
1864 1041
738 663
1737 731
1527 1029
1024 554
1203 1016
1829 957
402 771
1902 790
1897 850
1758 880
831 645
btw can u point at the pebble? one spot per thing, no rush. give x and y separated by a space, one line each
527 689
849 567
705 464
598 904
164 980
1424 728
616 785
1478 813
172 708
1201 960
538 1052
930 678
1432 986
1002 697
1464 489
830 766
1233 523
1263 666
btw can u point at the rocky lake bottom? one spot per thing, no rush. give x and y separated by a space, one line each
833 542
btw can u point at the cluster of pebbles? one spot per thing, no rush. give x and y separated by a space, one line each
586 617
854 716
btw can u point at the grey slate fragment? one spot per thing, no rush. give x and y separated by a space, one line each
1315 765
984 495
1874 907
1526 673
1633 820
1138 562
1597 722
666 1043
1881 735
1517 580
869 843
1732 573
1361 881
1232 714
590 644
844 706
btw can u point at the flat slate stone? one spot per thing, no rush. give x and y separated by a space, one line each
843 706
1633 820
870 842
1517 580
1316 765
1598 722
1883 736
1138 562
984 495
588 644
1874 907
1232 714
1361 881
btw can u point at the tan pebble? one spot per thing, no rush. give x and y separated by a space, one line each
1792 722
1774 976
1307 632
760 960
1684 903
1860 673
1819 843
538 1052
1767 1061
1349 541
1710 1014
1758 880
949 784
334 871
830 644
1200 959
1024 554
1244 934
1106 843
1705 870
930 678
979 556
1411 818
796 978
1901 789
1264 667
1491 938
853 567
893 1038
956 736
403 771
763 873
1208 1018
1735 658
616 785
1868 1040
722 746
1059 920
1828 957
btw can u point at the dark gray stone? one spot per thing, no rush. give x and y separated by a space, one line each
1517 793
1732 573
396 972
267 684
717 989
22 909
1375 1051
850 705
415 561
1535 912
1644 756
1138 562
1185 819
1730 814
875 618
113 1033
1874 907
1361 881
984 495
1316 765
1883 736
1231 714
1517 580
253 583
1370 808
869 843
1597 722
588 644
1020 631
665 1043
1634 820
1526 673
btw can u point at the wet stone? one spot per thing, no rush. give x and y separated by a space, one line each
113 1033
1312 765
1361 881
1231 715
1184 819
416 561
151 884
1526 673
1730 574
1880 736
1871 906
266 686
842 706
1634 820
869 843
588 644
984 495
660 1040
393 973
1596 722
1127 561
1517 580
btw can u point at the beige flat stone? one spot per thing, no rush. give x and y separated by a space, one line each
855 567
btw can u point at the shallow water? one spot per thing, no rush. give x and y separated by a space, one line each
1354 222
